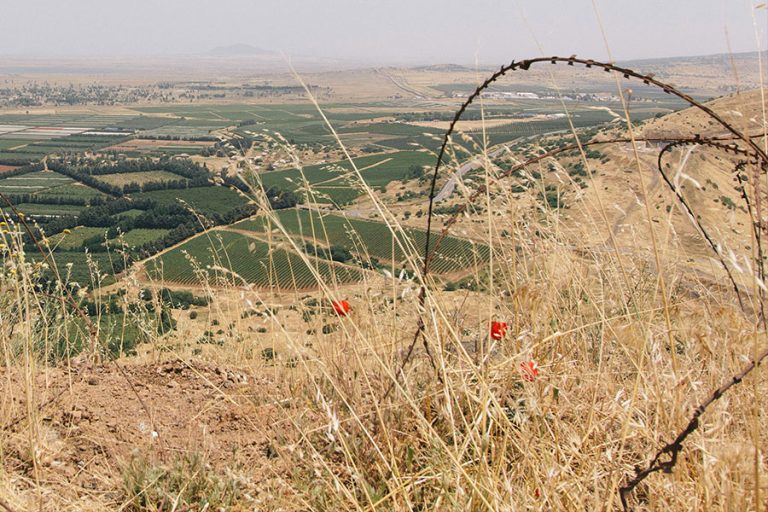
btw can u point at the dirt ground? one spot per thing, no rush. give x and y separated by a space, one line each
96 418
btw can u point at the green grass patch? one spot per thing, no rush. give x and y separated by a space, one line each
75 238
130 213
6 144
138 237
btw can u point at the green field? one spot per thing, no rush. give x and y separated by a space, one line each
76 237
144 123
19 158
73 189
248 258
398 135
82 120
183 132
6 144
79 271
204 199
139 236
297 123
339 183
33 182
34 136
73 143
372 240
227 114
46 184
130 213
124 178
48 209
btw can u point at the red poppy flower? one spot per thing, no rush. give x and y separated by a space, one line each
341 307
498 330
530 370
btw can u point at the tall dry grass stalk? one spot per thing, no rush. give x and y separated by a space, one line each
627 346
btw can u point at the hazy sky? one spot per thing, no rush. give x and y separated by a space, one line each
423 31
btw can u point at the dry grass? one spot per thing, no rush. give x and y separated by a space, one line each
627 344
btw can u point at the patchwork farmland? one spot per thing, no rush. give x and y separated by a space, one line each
337 183
108 180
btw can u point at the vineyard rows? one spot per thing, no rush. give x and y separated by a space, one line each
243 259
374 240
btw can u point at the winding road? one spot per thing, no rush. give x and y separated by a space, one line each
471 165
477 162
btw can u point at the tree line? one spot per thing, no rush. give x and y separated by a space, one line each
195 175
181 223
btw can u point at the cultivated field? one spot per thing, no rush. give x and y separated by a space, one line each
70 190
75 238
139 147
337 183
204 199
232 258
34 182
373 241
140 178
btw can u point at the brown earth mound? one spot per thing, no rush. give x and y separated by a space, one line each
93 421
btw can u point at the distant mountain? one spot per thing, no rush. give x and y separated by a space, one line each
449 68
715 58
239 50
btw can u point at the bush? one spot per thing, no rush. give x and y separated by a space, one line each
268 354
340 254
728 202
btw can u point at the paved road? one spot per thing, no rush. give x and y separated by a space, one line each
471 165
346 212
477 162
